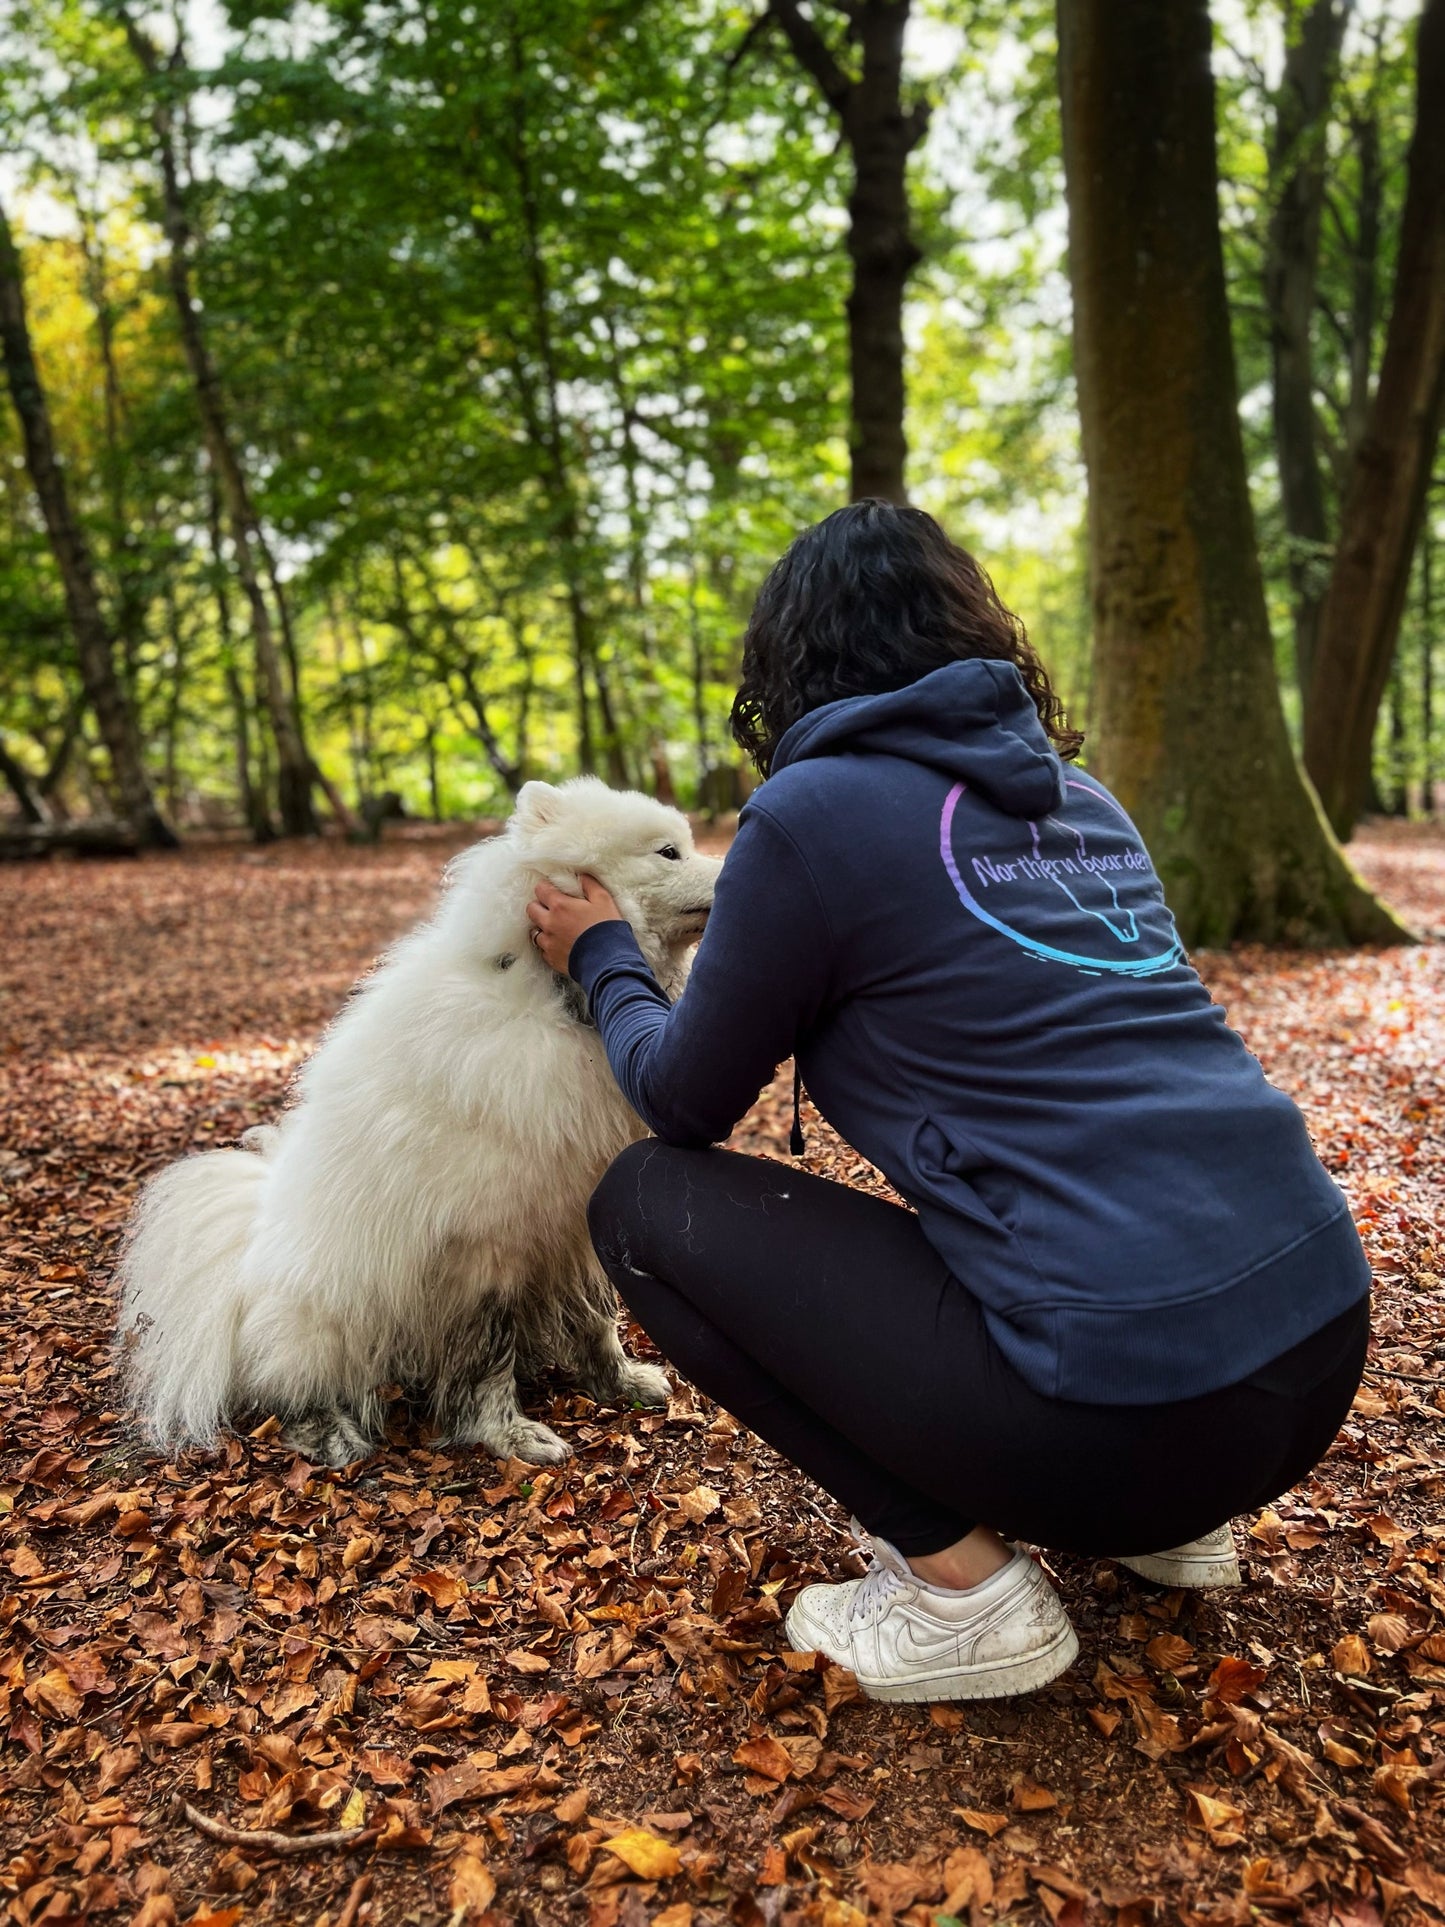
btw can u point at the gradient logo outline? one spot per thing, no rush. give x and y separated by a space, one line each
1124 930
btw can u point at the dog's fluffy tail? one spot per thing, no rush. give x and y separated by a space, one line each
181 1293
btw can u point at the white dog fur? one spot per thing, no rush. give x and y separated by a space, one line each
419 1215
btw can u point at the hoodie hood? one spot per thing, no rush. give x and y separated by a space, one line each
973 720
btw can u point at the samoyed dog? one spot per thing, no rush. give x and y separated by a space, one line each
420 1214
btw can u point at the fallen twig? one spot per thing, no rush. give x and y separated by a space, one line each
819 1513
1410 1378
336 1839
360 1888
1357 1817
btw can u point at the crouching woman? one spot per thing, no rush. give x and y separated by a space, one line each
1126 1304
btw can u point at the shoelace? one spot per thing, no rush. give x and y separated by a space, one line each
876 1586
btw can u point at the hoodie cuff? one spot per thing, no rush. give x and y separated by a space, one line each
602 944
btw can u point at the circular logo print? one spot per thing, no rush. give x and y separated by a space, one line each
1115 921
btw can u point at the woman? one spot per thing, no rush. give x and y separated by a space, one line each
1127 1304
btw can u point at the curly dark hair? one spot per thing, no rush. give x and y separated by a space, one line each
869 600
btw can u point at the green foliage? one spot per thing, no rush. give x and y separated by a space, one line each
529 324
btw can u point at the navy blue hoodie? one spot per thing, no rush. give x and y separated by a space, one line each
966 945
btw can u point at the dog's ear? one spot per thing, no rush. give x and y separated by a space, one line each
536 806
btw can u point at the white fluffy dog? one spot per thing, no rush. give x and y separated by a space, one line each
419 1215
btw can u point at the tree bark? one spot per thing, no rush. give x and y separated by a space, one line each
51 794
1188 727
1427 663
1291 273
880 132
545 426
254 807
94 643
294 771
1389 479
1364 285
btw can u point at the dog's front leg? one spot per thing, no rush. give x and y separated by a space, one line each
474 1399
594 1355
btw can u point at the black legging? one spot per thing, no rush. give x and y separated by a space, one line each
823 1319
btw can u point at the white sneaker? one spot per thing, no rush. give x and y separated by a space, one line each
908 1640
1210 1561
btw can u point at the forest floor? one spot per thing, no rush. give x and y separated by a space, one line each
434 1688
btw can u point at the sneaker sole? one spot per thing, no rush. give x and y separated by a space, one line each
1193 1574
1000 1679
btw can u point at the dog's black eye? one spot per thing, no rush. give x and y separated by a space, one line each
671 852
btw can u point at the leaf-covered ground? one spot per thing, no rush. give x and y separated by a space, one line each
467 1691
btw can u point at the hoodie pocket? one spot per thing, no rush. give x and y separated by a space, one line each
953 1177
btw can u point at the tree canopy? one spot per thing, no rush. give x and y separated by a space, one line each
433 384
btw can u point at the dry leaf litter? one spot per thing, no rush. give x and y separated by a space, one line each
439 1689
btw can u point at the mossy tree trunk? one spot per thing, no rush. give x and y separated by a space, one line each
1187 725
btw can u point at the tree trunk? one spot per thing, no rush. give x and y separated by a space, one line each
545 426
433 777
255 808
129 607
175 705
94 645
1389 479
1427 664
613 745
23 788
456 658
656 754
880 133
294 772
253 804
1364 286
50 784
1188 727
1297 184
1399 785
699 683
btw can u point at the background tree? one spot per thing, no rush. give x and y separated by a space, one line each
530 331
1298 175
881 125
94 644
1387 490
1188 728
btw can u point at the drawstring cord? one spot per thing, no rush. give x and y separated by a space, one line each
795 1136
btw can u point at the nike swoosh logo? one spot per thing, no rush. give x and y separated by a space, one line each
915 1641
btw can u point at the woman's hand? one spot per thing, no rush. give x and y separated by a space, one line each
558 920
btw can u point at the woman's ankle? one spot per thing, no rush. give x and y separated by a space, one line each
967 1563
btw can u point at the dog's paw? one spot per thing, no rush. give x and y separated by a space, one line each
538 1444
643 1385
627 1383
329 1438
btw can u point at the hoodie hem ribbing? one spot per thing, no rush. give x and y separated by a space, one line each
1103 1355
